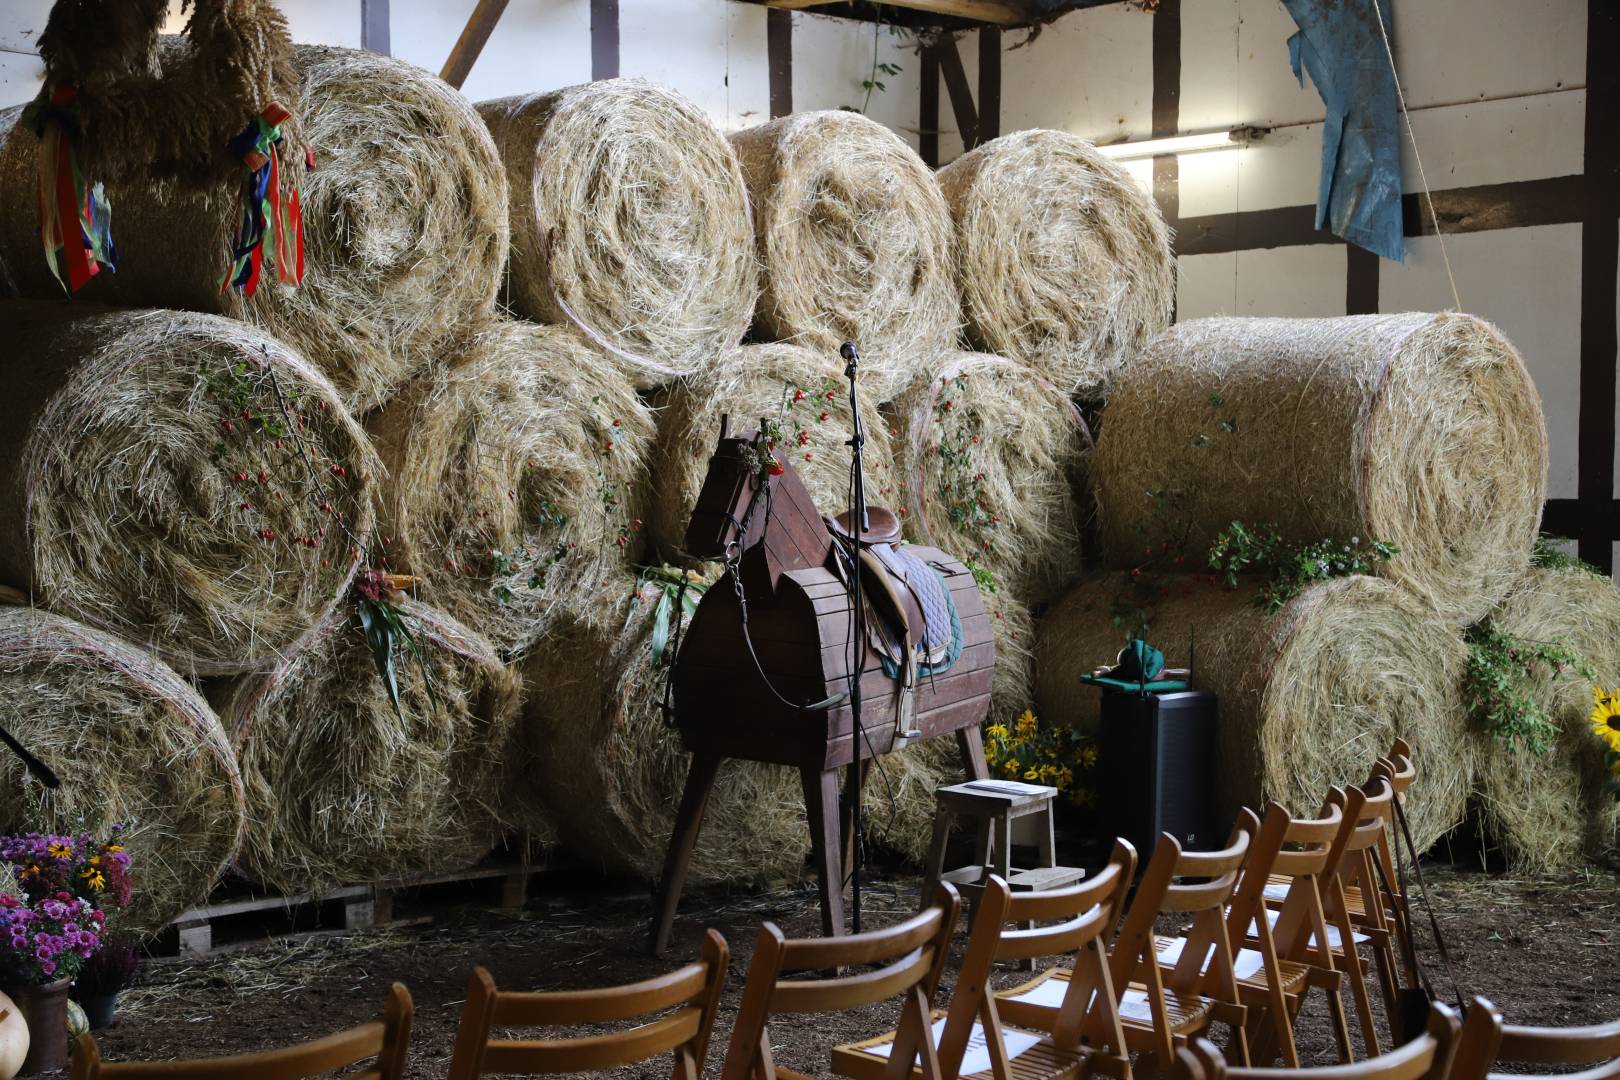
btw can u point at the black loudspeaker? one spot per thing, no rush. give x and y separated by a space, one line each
1158 752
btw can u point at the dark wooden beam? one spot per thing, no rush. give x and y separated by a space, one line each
1599 274
604 39
989 12
989 83
956 85
928 108
374 26
779 60
480 24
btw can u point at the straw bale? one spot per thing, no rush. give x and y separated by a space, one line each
629 221
1419 429
1309 696
130 742
516 478
754 382
854 242
148 503
405 225
340 788
993 459
598 763
1065 262
1547 813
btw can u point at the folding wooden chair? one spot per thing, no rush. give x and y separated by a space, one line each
910 956
1427 1057
1165 1003
384 1040
1486 1041
1270 974
692 992
1087 1037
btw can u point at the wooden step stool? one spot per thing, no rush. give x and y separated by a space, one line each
996 804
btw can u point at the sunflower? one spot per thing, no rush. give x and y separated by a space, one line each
1606 717
1026 724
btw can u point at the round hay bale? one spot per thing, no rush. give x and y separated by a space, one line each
1065 263
992 459
899 802
1548 812
131 742
753 382
1309 695
629 220
854 241
405 226
1423 430
340 788
168 472
515 478
598 762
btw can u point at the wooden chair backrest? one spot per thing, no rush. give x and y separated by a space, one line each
1162 889
908 958
383 1041
1083 918
1427 1057
1488 1041
1360 861
691 993
1319 846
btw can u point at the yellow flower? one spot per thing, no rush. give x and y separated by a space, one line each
1012 766
1033 774
1065 777
94 878
114 847
1026 724
59 851
1606 719
1048 771
1088 756
996 731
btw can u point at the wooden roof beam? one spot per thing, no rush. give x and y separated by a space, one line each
993 12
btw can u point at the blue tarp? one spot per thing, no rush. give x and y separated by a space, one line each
1340 46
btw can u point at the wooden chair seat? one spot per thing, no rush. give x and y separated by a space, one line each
1032 1056
1277 891
1184 1012
1292 974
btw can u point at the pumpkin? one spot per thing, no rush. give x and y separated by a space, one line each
13 1038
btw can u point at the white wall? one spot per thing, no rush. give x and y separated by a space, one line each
713 51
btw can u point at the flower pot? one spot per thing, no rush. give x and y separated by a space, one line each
99 1009
44 1007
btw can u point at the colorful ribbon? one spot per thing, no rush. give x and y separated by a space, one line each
63 195
264 214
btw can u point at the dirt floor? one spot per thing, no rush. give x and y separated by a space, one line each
1547 952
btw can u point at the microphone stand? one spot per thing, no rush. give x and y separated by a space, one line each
859 518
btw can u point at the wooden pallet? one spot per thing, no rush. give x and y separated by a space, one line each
363 906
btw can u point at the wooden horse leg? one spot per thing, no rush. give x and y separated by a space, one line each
970 742
854 784
682 839
821 809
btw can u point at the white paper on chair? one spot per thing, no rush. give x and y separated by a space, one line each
1276 890
1245 965
1049 992
1335 939
1007 787
977 1057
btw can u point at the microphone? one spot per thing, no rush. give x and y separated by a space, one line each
852 358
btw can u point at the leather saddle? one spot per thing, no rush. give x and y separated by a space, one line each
904 592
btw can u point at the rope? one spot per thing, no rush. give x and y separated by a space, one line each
1411 137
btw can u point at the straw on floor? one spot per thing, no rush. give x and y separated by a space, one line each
1309 696
1065 262
993 465
517 478
629 221
854 243
1422 430
130 742
340 788
405 223
180 479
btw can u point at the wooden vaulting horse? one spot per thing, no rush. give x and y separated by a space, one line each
763 671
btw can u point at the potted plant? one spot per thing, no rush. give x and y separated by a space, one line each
104 976
51 890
